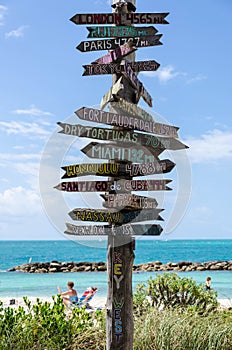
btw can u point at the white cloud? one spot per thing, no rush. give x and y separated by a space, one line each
23 128
169 72
16 33
213 146
3 10
32 111
18 201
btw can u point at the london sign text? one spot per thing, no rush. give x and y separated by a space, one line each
119 217
124 136
122 120
117 68
119 18
105 230
120 31
112 151
111 44
118 169
119 186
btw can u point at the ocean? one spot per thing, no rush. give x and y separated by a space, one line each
18 284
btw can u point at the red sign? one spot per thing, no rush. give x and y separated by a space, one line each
117 54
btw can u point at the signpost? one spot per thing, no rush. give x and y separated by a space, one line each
118 169
120 31
146 140
122 120
119 186
130 153
111 44
119 18
105 230
121 153
118 68
117 54
116 217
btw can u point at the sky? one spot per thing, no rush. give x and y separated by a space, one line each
41 83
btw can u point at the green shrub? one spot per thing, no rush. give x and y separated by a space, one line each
169 290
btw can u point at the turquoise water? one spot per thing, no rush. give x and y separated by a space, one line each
17 284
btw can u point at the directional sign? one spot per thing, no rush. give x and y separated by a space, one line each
117 54
120 31
113 93
115 152
124 136
116 217
123 200
120 186
136 83
122 120
120 18
118 68
111 44
118 169
131 109
123 230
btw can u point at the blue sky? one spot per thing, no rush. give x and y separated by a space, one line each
41 83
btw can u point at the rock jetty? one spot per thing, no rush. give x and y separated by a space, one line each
56 266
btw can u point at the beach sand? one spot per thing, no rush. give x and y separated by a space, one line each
97 302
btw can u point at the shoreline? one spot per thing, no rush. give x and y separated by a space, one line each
96 302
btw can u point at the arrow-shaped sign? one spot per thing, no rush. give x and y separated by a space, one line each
124 200
121 186
119 18
125 136
116 217
118 169
117 54
123 230
116 152
113 93
131 109
123 120
120 31
137 84
118 68
111 44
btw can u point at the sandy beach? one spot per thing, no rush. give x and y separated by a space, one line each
95 303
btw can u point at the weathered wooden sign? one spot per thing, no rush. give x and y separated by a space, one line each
136 83
111 151
146 140
120 18
122 120
119 186
117 54
118 169
123 230
118 68
120 31
131 109
115 217
113 93
111 44
122 200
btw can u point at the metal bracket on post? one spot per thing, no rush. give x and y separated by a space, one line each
130 7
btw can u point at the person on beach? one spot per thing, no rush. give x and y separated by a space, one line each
69 297
87 296
208 283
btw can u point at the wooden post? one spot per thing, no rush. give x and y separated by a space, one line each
120 259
